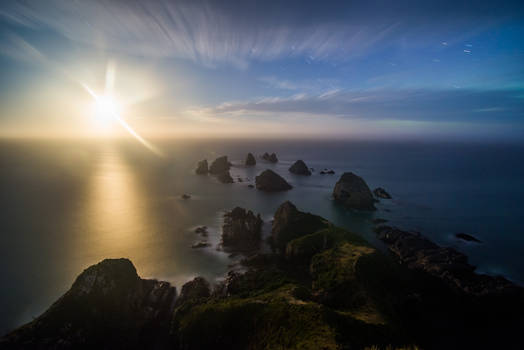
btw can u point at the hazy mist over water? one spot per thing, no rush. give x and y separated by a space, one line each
68 204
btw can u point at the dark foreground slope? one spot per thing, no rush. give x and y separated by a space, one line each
323 288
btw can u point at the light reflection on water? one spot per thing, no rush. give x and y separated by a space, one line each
114 209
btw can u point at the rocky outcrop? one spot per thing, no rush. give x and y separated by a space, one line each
270 181
352 191
379 192
241 229
300 168
225 177
219 165
195 289
202 168
419 253
250 160
290 223
108 306
272 158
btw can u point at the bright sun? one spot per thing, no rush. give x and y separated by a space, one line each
106 111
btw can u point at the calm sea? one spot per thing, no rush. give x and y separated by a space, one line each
66 205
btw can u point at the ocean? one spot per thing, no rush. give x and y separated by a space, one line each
66 205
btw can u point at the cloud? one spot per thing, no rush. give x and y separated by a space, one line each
410 105
237 32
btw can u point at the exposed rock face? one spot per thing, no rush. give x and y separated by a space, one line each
290 223
352 191
202 167
241 229
419 253
381 193
270 181
195 289
250 160
225 177
272 158
219 165
108 306
300 168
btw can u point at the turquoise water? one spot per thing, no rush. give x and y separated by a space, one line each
66 205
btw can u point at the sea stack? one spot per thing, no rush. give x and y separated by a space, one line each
250 160
272 158
202 168
300 168
270 181
352 191
219 165
225 177
241 229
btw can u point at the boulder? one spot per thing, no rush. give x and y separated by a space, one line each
272 158
185 196
241 229
225 177
300 168
108 306
202 167
270 181
352 191
250 160
219 166
381 193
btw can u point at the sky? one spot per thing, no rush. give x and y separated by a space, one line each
336 69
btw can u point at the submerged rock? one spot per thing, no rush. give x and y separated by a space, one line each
272 158
225 177
241 229
466 237
300 168
381 193
201 244
352 191
202 167
202 230
219 166
250 160
270 181
108 306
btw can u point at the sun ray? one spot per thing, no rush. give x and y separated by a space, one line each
122 122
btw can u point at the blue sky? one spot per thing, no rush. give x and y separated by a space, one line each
417 69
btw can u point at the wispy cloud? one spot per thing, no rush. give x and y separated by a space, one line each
413 105
214 32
